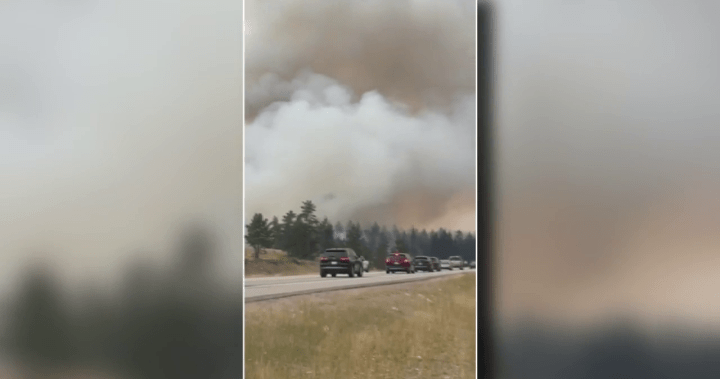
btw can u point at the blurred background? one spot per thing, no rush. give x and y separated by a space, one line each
608 174
120 188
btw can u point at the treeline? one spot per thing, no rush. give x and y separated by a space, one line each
302 235
163 324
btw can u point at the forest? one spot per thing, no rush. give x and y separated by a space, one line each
302 235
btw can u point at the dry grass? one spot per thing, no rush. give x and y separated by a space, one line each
275 262
426 330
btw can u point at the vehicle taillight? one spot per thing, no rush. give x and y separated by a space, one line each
387 260
405 260
344 259
323 259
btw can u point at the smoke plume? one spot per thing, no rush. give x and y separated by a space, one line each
365 107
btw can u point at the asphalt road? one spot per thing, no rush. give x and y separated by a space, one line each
257 289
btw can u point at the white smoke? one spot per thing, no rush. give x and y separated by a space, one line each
365 107
349 155
118 122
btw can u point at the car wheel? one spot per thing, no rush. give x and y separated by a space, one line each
351 272
323 274
333 274
387 271
360 272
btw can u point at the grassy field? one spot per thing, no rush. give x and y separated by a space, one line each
413 330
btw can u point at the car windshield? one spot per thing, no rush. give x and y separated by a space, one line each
421 258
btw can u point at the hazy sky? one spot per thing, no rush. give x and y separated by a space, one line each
119 121
366 108
609 166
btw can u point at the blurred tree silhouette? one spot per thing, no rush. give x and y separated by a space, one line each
167 323
39 328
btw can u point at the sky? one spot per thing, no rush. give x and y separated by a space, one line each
608 166
366 108
120 123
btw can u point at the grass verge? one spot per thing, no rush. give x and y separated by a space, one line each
415 330
274 262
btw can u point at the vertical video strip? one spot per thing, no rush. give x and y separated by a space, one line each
360 189
485 186
120 175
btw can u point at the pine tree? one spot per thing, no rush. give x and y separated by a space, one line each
469 245
395 233
382 247
413 242
372 246
286 228
435 246
458 244
445 244
424 242
354 238
373 236
405 238
307 213
297 239
276 232
40 329
307 236
401 246
258 234
326 235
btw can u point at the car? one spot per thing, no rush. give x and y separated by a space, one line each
424 263
456 261
435 264
343 260
445 264
398 261
472 264
365 264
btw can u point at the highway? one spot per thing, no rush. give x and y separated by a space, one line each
267 288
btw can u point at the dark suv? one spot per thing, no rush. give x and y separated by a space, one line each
399 262
340 260
423 263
